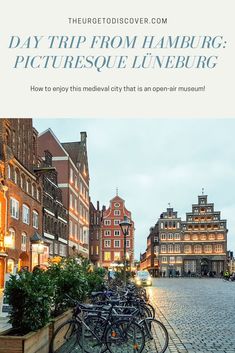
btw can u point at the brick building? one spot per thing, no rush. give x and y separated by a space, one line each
55 215
112 237
71 162
95 242
18 140
196 246
149 259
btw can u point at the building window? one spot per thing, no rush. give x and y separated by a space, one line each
170 248
107 222
117 204
203 237
220 236
10 266
161 225
39 194
116 222
163 248
190 265
177 248
178 225
17 177
178 259
177 236
56 248
23 241
208 249
107 256
194 237
117 243
164 259
51 248
34 191
163 236
107 243
187 249
187 237
12 235
71 201
211 236
170 236
117 213
117 256
218 248
70 228
127 243
14 208
25 214
117 232
76 181
63 250
92 250
107 232
197 249
172 259
71 175
35 219
76 231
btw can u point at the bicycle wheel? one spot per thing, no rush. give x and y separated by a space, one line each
92 334
65 339
125 336
152 310
156 335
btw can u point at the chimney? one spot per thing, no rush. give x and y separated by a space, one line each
83 136
98 205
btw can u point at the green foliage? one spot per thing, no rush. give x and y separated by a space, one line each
30 296
96 279
38 295
69 278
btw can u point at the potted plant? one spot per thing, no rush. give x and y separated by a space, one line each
29 295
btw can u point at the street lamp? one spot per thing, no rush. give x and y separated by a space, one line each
125 226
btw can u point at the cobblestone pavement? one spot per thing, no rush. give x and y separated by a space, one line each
199 313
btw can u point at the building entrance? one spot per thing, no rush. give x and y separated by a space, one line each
204 267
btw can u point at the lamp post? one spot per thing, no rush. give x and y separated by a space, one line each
125 226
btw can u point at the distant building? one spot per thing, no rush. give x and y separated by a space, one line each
196 246
112 237
71 162
204 239
95 240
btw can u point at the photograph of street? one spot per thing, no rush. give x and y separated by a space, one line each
117 235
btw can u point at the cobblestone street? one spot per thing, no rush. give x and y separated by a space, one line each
199 313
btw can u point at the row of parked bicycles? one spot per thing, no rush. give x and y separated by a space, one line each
118 320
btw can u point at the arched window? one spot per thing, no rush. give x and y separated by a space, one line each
34 192
28 186
187 249
23 182
12 236
17 176
23 241
197 249
10 266
39 194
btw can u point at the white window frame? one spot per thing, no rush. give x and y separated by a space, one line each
117 257
12 233
163 249
164 259
170 248
127 243
117 212
116 222
107 243
25 214
71 175
116 243
107 222
117 233
177 248
107 252
14 208
23 241
107 233
35 219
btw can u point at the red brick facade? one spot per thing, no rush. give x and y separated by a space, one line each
24 192
112 237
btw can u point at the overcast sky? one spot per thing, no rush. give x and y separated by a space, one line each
154 162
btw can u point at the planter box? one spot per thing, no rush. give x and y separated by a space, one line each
33 342
59 320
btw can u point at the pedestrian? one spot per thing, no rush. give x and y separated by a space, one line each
189 273
164 273
160 273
